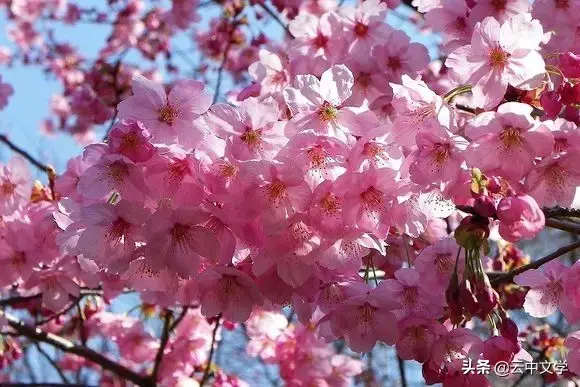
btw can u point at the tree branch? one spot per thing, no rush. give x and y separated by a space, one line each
561 212
563 225
508 277
52 363
402 372
205 376
15 148
37 334
164 339
274 16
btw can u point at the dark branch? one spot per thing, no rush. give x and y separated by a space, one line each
52 363
508 277
563 225
402 371
37 334
277 19
205 376
164 339
561 212
43 167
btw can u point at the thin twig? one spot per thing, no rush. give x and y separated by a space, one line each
564 225
43 167
58 314
218 83
179 318
508 277
561 212
67 346
116 71
274 16
205 376
164 340
402 371
52 363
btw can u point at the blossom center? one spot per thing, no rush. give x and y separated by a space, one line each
320 41
460 24
410 296
418 333
444 263
498 58
228 285
229 170
181 236
498 5
327 112
562 4
18 259
130 141
361 29
441 153
394 63
276 191
372 198
252 138
511 137
332 294
557 176
560 145
366 313
178 170
167 114
7 188
118 230
330 203
118 171
317 156
364 80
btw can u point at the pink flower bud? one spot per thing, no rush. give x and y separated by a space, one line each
570 65
497 349
467 298
520 217
509 330
484 206
552 103
488 300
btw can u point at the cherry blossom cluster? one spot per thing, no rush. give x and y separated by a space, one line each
353 179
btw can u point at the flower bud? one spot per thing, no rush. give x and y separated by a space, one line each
570 65
509 329
472 232
484 206
520 217
551 102
488 300
467 298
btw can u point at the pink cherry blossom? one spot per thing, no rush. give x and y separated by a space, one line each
497 57
507 140
228 291
131 139
167 116
414 296
398 56
546 291
438 157
253 130
362 320
15 185
6 92
520 217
